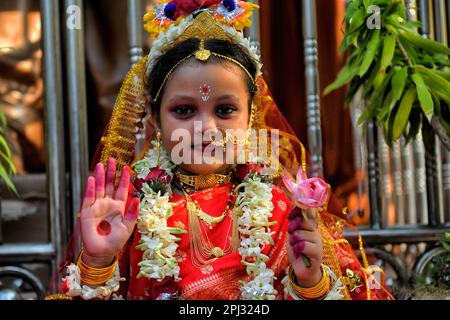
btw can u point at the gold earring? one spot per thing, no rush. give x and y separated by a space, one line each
158 141
248 133
252 116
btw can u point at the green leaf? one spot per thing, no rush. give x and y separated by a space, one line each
389 125
8 162
410 50
395 19
441 60
4 146
371 51
388 104
404 110
352 7
391 28
446 246
437 91
413 24
4 175
388 50
443 74
344 45
398 9
434 76
399 82
357 20
2 119
414 121
435 81
440 114
427 61
420 42
379 78
367 114
369 83
347 73
375 102
425 99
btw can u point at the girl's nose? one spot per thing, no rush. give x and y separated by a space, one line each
208 122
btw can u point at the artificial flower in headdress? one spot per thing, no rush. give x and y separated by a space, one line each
159 18
185 7
235 13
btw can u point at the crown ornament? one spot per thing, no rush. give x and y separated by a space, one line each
204 27
235 13
178 20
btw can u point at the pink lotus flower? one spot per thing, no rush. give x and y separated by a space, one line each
307 192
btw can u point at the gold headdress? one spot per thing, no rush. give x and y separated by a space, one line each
213 19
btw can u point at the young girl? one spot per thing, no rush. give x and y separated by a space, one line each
166 226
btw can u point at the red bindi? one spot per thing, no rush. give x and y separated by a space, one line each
104 228
205 91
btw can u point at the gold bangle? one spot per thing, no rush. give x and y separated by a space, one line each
319 291
58 296
95 276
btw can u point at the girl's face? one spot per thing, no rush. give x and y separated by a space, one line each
210 97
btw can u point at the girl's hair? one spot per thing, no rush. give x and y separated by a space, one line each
183 49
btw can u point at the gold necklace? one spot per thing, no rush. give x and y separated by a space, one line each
203 181
194 207
202 250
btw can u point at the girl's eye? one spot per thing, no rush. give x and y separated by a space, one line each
183 111
225 111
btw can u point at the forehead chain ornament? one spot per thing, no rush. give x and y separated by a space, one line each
205 91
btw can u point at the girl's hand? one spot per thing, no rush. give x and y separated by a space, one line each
304 239
106 224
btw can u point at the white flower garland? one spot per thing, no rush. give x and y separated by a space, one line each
158 241
153 159
75 288
254 208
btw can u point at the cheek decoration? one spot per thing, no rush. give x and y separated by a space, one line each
205 91
104 228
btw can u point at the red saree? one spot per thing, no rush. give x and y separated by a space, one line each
219 280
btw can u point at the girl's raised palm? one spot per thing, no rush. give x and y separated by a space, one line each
106 223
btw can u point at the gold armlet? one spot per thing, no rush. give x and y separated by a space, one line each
95 276
319 291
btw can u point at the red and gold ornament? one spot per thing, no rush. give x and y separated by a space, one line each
205 91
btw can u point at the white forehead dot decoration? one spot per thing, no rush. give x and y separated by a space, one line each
205 91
